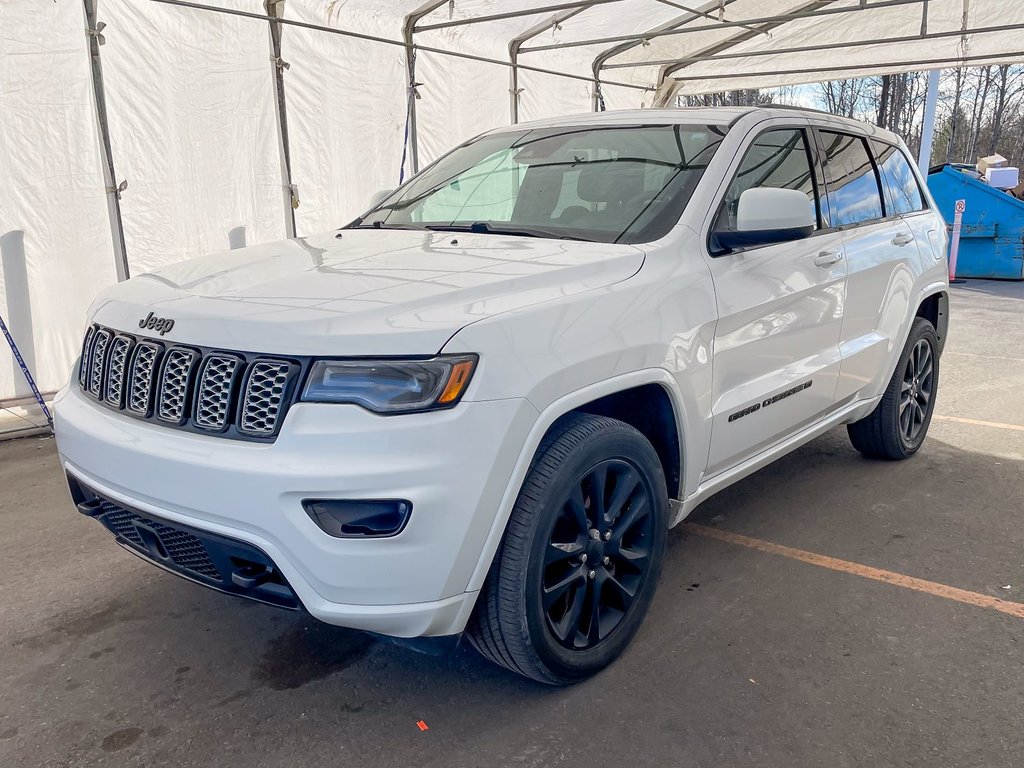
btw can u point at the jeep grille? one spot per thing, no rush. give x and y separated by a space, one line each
232 394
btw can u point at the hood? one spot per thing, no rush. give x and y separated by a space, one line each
359 292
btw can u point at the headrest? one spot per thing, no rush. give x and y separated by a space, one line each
610 181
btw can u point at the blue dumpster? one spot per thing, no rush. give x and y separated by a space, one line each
992 227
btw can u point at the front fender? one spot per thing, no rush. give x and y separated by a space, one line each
545 419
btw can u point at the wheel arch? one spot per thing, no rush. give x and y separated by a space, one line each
602 398
934 307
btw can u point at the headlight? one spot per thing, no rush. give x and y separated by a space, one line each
391 386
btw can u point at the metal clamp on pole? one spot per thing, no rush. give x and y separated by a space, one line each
116 191
97 32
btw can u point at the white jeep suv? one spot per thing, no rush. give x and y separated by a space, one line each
479 407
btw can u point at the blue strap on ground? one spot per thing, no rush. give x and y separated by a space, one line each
27 372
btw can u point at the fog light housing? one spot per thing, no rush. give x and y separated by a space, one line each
359 518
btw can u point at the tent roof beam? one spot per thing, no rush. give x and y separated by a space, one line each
776 20
575 4
705 14
894 66
388 41
812 48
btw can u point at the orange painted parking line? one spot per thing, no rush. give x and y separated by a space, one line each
979 423
889 577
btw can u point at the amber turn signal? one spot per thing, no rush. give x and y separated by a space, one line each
458 379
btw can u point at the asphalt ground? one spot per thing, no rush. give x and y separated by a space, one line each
753 655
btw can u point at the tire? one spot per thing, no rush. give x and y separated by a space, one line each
526 618
897 427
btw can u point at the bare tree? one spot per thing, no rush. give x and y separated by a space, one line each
954 118
843 97
980 108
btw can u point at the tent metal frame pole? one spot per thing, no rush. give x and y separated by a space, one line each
113 189
576 4
408 37
719 5
599 61
781 18
389 41
516 43
666 91
894 66
275 11
924 157
815 48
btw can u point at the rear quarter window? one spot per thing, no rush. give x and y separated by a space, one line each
853 193
902 192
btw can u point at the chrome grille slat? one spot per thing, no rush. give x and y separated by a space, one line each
237 395
213 392
265 390
175 380
117 370
143 373
98 361
83 363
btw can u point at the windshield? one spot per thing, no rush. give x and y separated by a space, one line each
621 184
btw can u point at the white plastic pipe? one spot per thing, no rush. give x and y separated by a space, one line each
928 127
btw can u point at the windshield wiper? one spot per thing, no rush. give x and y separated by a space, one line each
379 224
486 228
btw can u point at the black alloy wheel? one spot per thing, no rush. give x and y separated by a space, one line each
598 554
577 569
916 390
898 425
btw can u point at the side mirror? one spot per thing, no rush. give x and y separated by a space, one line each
767 215
379 197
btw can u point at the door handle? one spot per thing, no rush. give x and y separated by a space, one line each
902 239
828 258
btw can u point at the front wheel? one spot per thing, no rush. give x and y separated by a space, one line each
577 569
897 427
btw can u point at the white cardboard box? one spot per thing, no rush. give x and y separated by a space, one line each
1003 178
992 161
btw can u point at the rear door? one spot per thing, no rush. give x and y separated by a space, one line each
905 198
880 248
776 349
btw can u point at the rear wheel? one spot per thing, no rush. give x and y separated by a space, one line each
897 427
579 564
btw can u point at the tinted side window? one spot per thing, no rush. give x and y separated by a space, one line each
902 193
853 192
775 159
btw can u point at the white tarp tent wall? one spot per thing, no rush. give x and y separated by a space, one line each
230 128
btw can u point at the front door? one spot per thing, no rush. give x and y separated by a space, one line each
776 354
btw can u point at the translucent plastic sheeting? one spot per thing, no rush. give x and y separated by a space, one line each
55 241
346 114
193 124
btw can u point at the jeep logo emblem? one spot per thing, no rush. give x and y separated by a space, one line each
159 324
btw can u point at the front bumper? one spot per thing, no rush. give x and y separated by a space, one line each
454 466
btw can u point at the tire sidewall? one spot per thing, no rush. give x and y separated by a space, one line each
625 444
921 329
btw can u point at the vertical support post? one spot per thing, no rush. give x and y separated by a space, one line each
113 189
954 241
513 85
275 9
408 36
596 98
928 125
517 42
